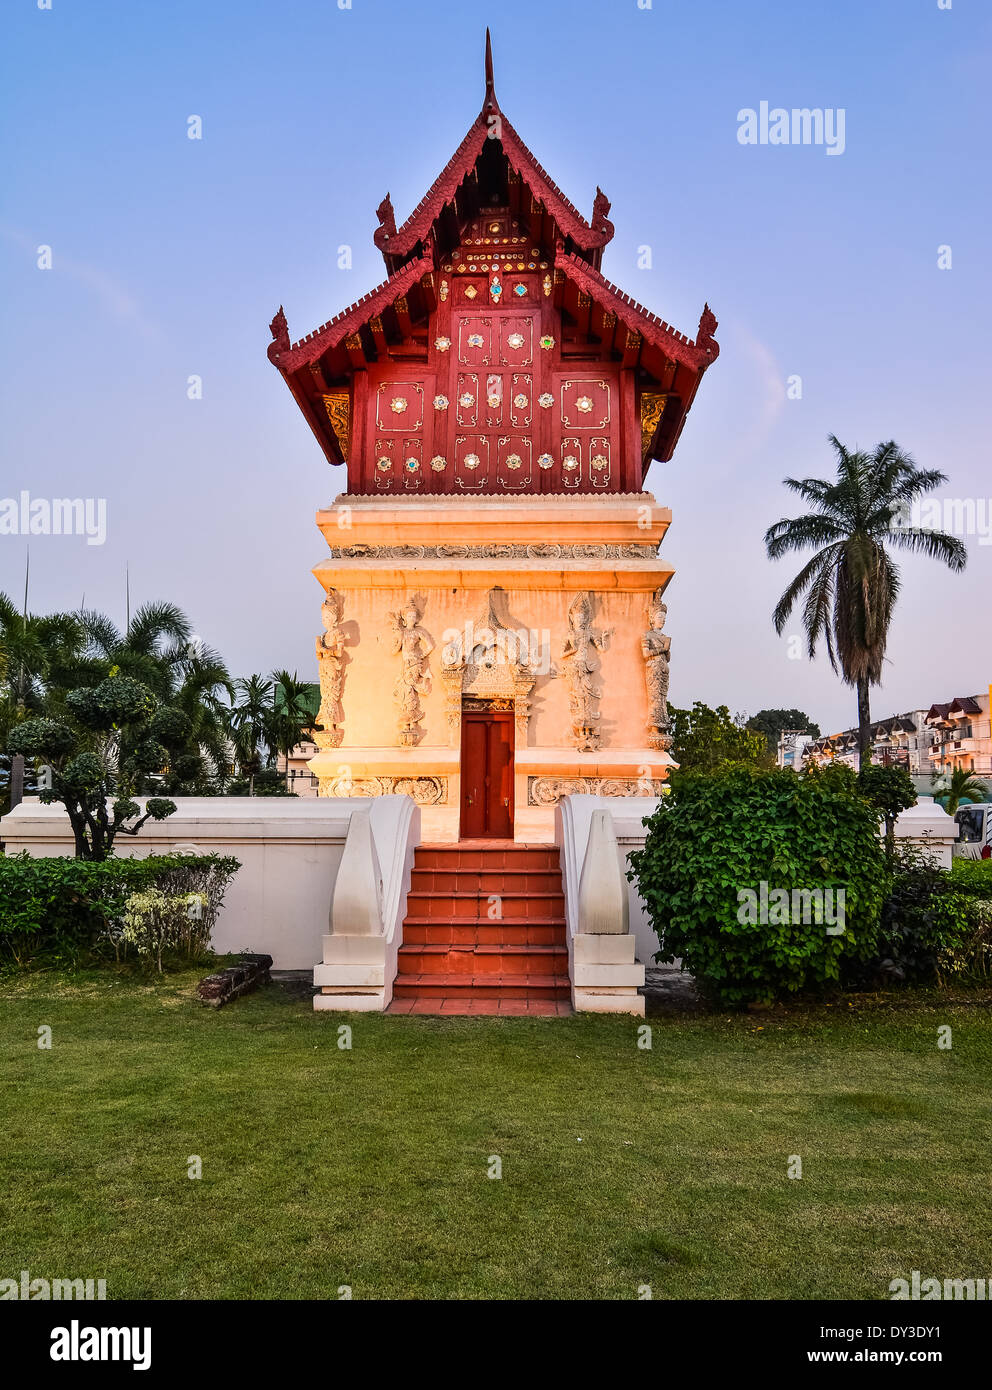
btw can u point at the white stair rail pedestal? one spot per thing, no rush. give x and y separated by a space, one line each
928 826
601 949
368 904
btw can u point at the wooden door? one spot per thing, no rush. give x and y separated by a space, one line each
487 775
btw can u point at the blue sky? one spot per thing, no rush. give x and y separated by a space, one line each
170 255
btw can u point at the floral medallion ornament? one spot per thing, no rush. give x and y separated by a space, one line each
546 400
411 464
520 401
398 404
439 463
515 340
442 344
476 340
546 461
513 461
547 342
471 460
494 402
599 462
584 403
383 464
470 291
520 290
440 403
570 462
466 400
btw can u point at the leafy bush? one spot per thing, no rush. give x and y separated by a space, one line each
154 922
933 923
973 877
61 910
713 843
924 925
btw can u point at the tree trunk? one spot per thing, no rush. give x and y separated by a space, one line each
864 724
16 780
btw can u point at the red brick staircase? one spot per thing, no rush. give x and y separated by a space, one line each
485 932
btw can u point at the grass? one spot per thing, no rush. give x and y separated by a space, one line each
367 1167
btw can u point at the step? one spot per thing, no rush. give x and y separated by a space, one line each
469 855
543 906
428 985
482 960
471 931
458 880
520 1008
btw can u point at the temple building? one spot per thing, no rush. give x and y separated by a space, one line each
493 606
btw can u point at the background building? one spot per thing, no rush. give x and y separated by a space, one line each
960 735
923 741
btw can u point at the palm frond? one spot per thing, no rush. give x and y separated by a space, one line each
937 545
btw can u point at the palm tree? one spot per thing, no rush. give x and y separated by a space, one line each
250 725
35 650
292 714
35 653
962 785
156 642
851 583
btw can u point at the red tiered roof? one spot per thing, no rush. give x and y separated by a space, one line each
648 370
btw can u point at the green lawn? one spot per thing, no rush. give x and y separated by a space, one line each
368 1167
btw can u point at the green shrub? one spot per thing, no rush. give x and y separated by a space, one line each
713 843
972 880
63 910
925 924
154 921
973 877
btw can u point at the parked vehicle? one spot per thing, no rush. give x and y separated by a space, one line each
975 834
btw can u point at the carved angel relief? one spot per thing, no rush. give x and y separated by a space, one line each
655 646
413 644
331 659
580 668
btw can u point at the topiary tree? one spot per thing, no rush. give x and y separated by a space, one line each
101 757
762 882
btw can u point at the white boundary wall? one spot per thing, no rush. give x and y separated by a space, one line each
290 849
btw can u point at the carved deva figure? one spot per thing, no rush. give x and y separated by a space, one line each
580 668
414 645
656 646
331 660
